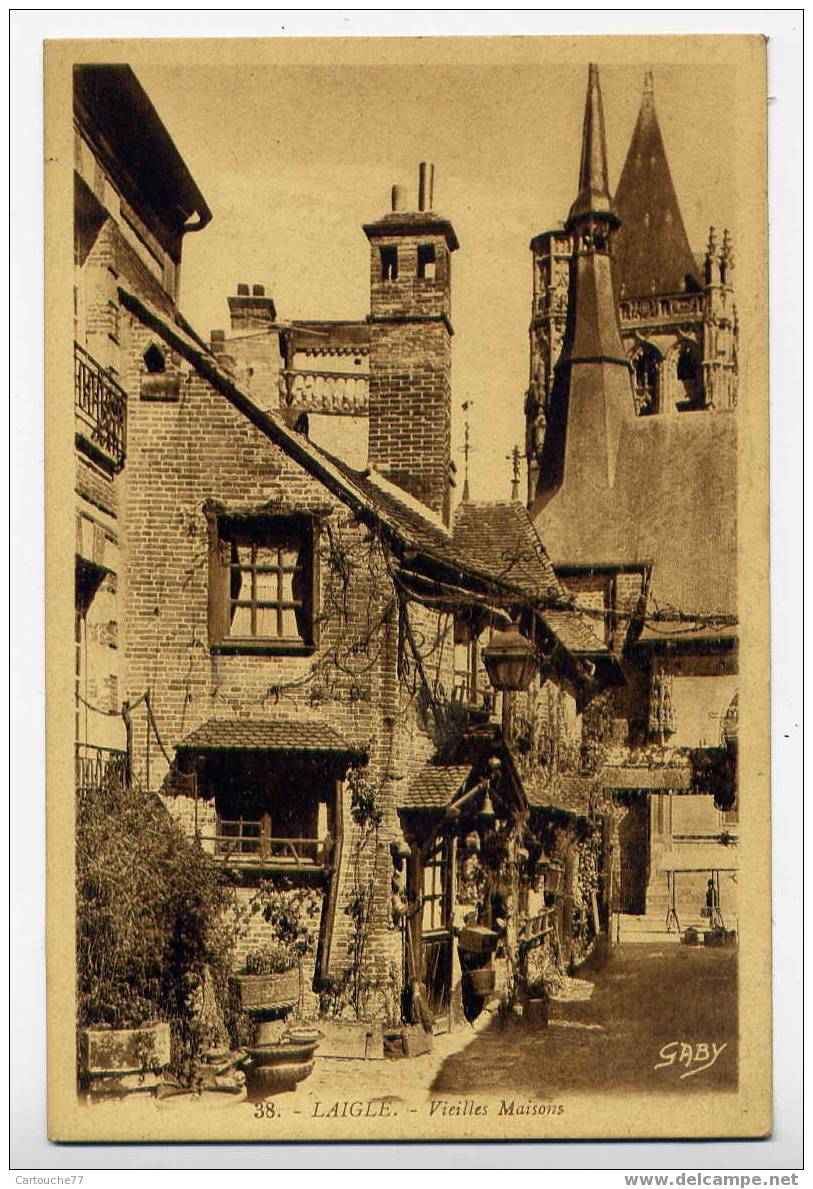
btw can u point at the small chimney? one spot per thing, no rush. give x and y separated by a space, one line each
251 309
426 186
399 198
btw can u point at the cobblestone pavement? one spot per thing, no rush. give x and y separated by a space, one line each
679 1001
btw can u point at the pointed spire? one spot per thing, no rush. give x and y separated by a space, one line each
652 248
594 189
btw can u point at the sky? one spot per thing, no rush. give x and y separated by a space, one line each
293 158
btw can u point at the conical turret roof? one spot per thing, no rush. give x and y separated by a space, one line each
651 248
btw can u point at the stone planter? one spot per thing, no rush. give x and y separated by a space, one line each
121 1061
267 992
281 1065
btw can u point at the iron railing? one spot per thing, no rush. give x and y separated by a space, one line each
100 406
97 767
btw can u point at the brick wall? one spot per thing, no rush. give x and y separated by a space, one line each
197 449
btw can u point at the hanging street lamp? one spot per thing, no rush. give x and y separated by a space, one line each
510 661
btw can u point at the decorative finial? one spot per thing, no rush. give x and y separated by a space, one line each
594 189
466 496
649 84
728 248
514 458
711 247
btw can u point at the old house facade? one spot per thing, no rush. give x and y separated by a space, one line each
632 465
301 642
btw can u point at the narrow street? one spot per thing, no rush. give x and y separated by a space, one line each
646 997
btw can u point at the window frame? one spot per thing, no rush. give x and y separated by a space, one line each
258 530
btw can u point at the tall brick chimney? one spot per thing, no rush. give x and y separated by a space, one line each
411 346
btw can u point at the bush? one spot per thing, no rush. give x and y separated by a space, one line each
153 912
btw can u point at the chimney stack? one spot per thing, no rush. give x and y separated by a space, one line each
251 309
426 186
399 198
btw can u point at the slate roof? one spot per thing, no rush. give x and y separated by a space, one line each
672 506
265 735
500 537
651 247
434 786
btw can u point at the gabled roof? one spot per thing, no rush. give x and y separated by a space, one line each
651 247
265 735
500 536
576 631
434 786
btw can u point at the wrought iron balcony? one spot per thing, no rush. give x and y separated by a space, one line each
100 406
313 391
97 767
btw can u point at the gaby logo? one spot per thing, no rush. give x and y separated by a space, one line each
694 1058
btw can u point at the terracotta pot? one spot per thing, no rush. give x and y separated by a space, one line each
276 1079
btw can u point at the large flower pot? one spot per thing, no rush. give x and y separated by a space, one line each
280 1065
266 992
121 1061
481 982
477 939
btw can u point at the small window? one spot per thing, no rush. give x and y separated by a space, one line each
426 262
154 360
262 582
389 262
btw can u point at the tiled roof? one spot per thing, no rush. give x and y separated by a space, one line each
265 735
646 778
500 537
434 786
575 630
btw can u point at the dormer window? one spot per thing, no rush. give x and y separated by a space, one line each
389 262
262 583
427 263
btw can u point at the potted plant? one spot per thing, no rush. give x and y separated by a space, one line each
153 912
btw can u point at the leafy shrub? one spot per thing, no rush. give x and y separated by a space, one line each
154 911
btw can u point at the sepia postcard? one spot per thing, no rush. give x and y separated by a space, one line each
408 731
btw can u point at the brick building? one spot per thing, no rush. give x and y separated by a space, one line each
632 463
294 640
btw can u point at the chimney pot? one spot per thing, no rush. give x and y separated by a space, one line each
218 336
242 290
258 290
399 198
